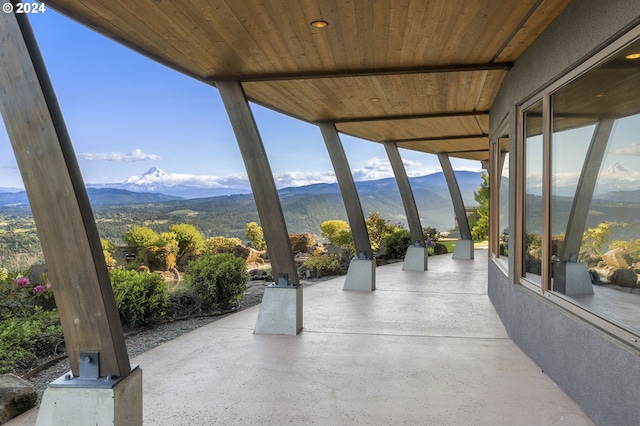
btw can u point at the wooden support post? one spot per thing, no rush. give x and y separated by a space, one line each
348 190
408 200
456 197
584 191
261 179
59 202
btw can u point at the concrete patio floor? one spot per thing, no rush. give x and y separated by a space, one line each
425 348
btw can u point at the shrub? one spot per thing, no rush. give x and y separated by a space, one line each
23 339
221 244
158 258
141 297
255 235
323 264
397 243
107 250
217 279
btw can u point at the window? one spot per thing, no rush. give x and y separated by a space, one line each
579 206
499 178
595 190
533 202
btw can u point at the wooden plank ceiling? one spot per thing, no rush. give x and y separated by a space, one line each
418 72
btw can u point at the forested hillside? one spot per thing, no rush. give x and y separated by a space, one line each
305 208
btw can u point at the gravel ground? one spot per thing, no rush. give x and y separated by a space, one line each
144 340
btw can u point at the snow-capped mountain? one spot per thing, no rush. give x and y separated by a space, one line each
152 176
181 185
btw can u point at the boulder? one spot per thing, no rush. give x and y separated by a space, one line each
259 274
35 274
440 249
617 258
301 243
624 277
16 396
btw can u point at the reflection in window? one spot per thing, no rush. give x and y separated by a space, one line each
533 207
503 222
595 228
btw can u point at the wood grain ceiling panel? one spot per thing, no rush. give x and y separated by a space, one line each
424 128
235 38
375 46
329 99
470 149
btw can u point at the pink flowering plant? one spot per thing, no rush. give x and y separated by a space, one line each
18 295
29 323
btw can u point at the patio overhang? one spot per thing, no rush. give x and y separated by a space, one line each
422 74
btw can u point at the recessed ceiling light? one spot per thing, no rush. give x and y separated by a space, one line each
633 56
318 23
600 95
375 99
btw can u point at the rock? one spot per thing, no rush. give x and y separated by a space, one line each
440 249
16 396
258 274
143 268
316 249
624 277
301 243
617 258
35 274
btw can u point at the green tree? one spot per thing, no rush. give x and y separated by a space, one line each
594 239
140 237
378 228
255 235
330 229
481 229
190 239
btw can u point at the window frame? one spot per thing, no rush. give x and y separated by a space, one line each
495 179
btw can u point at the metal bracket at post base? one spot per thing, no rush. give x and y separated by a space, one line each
89 375
283 282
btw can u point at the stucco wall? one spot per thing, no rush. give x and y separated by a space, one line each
601 373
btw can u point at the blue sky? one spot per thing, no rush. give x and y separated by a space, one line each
126 114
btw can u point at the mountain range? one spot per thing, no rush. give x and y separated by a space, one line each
304 207
153 187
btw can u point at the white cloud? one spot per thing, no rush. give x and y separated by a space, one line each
287 179
135 155
633 149
374 168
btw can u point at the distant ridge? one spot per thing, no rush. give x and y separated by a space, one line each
429 188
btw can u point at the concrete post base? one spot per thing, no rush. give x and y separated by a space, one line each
361 275
417 259
572 278
71 406
463 250
280 311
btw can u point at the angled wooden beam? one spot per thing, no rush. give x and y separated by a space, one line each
59 202
492 66
584 191
408 200
261 179
441 138
456 197
348 190
409 117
